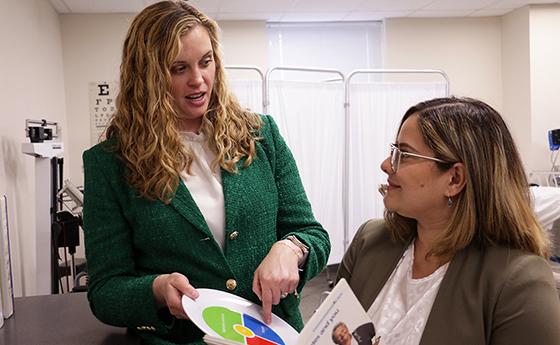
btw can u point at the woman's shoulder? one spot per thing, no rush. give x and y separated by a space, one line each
269 126
505 258
265 118
269 137
502 267
374 234
104 145
521 284
103 152
373 230
517 264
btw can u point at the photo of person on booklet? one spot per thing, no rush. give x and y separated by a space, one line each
362 335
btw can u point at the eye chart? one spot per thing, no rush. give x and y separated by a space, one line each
101 108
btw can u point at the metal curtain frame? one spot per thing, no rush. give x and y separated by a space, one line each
261 75
346 167
266 102
305 69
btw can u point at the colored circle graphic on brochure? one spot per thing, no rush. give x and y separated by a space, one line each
241 328
231 317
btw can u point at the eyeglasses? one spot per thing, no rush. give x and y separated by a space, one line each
397 154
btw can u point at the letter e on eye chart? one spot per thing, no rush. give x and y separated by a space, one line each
101 107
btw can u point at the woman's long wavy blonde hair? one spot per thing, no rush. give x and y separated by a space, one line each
144 130
495 206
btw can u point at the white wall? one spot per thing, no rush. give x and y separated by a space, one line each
245 43
531 79
516 79
511 62
544 31
32 87
91 46
467 49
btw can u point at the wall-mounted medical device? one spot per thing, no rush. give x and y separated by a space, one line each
41 134
40 130
554 139
48 171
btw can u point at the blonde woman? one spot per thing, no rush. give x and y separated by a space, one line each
190 190
460 257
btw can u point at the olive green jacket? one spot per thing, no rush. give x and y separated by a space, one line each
493 296
130 240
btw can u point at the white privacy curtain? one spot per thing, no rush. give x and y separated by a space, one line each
310 116
375 113
248 93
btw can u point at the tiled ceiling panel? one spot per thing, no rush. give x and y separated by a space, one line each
313 10
453 5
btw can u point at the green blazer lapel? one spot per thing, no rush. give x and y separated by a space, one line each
232 187
186 206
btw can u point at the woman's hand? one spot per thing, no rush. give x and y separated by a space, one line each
276 276
168 290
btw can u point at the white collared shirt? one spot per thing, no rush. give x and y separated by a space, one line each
205 185
400 311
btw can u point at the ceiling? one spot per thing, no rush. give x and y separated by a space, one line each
312 10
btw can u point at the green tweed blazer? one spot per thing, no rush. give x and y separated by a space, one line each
130 240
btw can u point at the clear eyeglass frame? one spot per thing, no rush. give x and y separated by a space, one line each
396 155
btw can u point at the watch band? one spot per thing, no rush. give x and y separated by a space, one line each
301 247
298 243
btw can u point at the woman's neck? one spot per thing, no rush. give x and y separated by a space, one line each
190 125
427 235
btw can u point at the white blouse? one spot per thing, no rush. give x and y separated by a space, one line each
400 311
205 185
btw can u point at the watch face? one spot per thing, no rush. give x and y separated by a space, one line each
221 314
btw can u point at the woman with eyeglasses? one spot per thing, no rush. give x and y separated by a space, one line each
460 256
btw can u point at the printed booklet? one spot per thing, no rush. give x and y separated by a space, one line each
231 320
